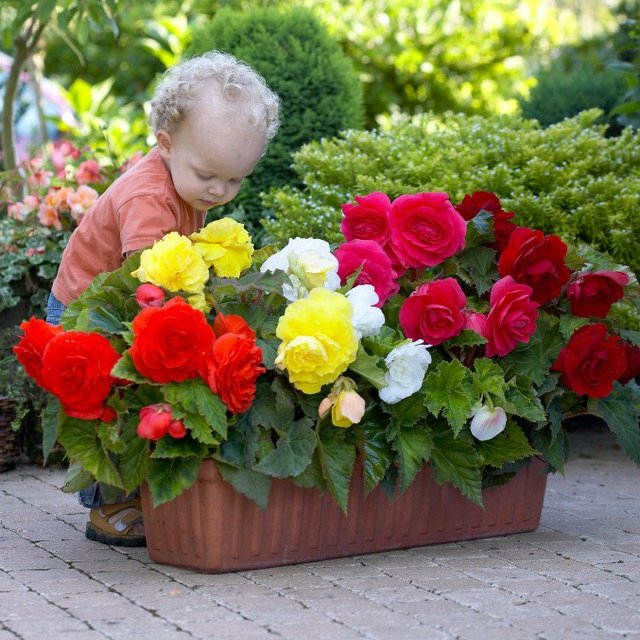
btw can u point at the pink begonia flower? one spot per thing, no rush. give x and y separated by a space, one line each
62 149
48 216
132 161
81 200
475 322
56 198
40 179
17 211
31 203
88 171
34 251
488 423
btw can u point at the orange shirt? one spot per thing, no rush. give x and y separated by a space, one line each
139 208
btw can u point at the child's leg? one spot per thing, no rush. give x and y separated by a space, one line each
118 523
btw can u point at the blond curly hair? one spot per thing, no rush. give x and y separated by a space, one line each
239 85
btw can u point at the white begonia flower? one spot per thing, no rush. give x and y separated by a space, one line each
309 263
406 366
367 319
488 423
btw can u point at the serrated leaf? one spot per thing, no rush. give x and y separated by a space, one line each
407 412
521 400
554 414
201 410
109 435
82 444
126 370
169 447
49 417
376 454
535 358
630 336
293 451
449 391
254 485
337 458
478 268
568 324
414 447
76 478
466 338
273 407
555 449
488 378
369 367
312 476
168 478
134 460
510 445
454 460
621 411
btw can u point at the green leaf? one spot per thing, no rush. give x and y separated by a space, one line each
414 447
273 407
186 447
50 416
621 411
568 324
376 454
510 445
479 230
478 268
201 410
337 458
449 391
630 336
293 451
254 485
126 370
269 352
312 476
168 478
466 338
488 378
82 444
535 358
521 400
408 411
554 414
555 449
76 478
454 460
369 368
134 460
109 435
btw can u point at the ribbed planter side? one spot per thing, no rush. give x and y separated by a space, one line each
212 528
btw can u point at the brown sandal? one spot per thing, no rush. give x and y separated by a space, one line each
114 524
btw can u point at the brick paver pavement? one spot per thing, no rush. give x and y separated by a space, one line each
576 577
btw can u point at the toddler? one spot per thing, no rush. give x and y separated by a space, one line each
212 117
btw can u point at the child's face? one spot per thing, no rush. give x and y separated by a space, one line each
209 155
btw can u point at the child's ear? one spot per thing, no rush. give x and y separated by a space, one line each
163 138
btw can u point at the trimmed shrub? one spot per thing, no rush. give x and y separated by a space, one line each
318 88
567 179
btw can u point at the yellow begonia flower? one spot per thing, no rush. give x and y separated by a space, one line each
226 246
348 409
199 301
173 263
318 339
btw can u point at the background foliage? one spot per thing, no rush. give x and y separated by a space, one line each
567 178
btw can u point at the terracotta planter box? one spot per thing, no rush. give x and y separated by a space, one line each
212 528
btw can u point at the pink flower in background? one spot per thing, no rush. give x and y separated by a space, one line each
17 211
49 217
34 251
31 203
377 269
133 160
62 149
88 171
40 179
81 200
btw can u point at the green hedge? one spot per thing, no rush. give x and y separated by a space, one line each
317 85
567 178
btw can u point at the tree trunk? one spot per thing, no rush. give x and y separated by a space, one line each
10 89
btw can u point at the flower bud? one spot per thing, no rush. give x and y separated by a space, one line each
177 429
325 407
154 421
148 295
348 409
488 423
